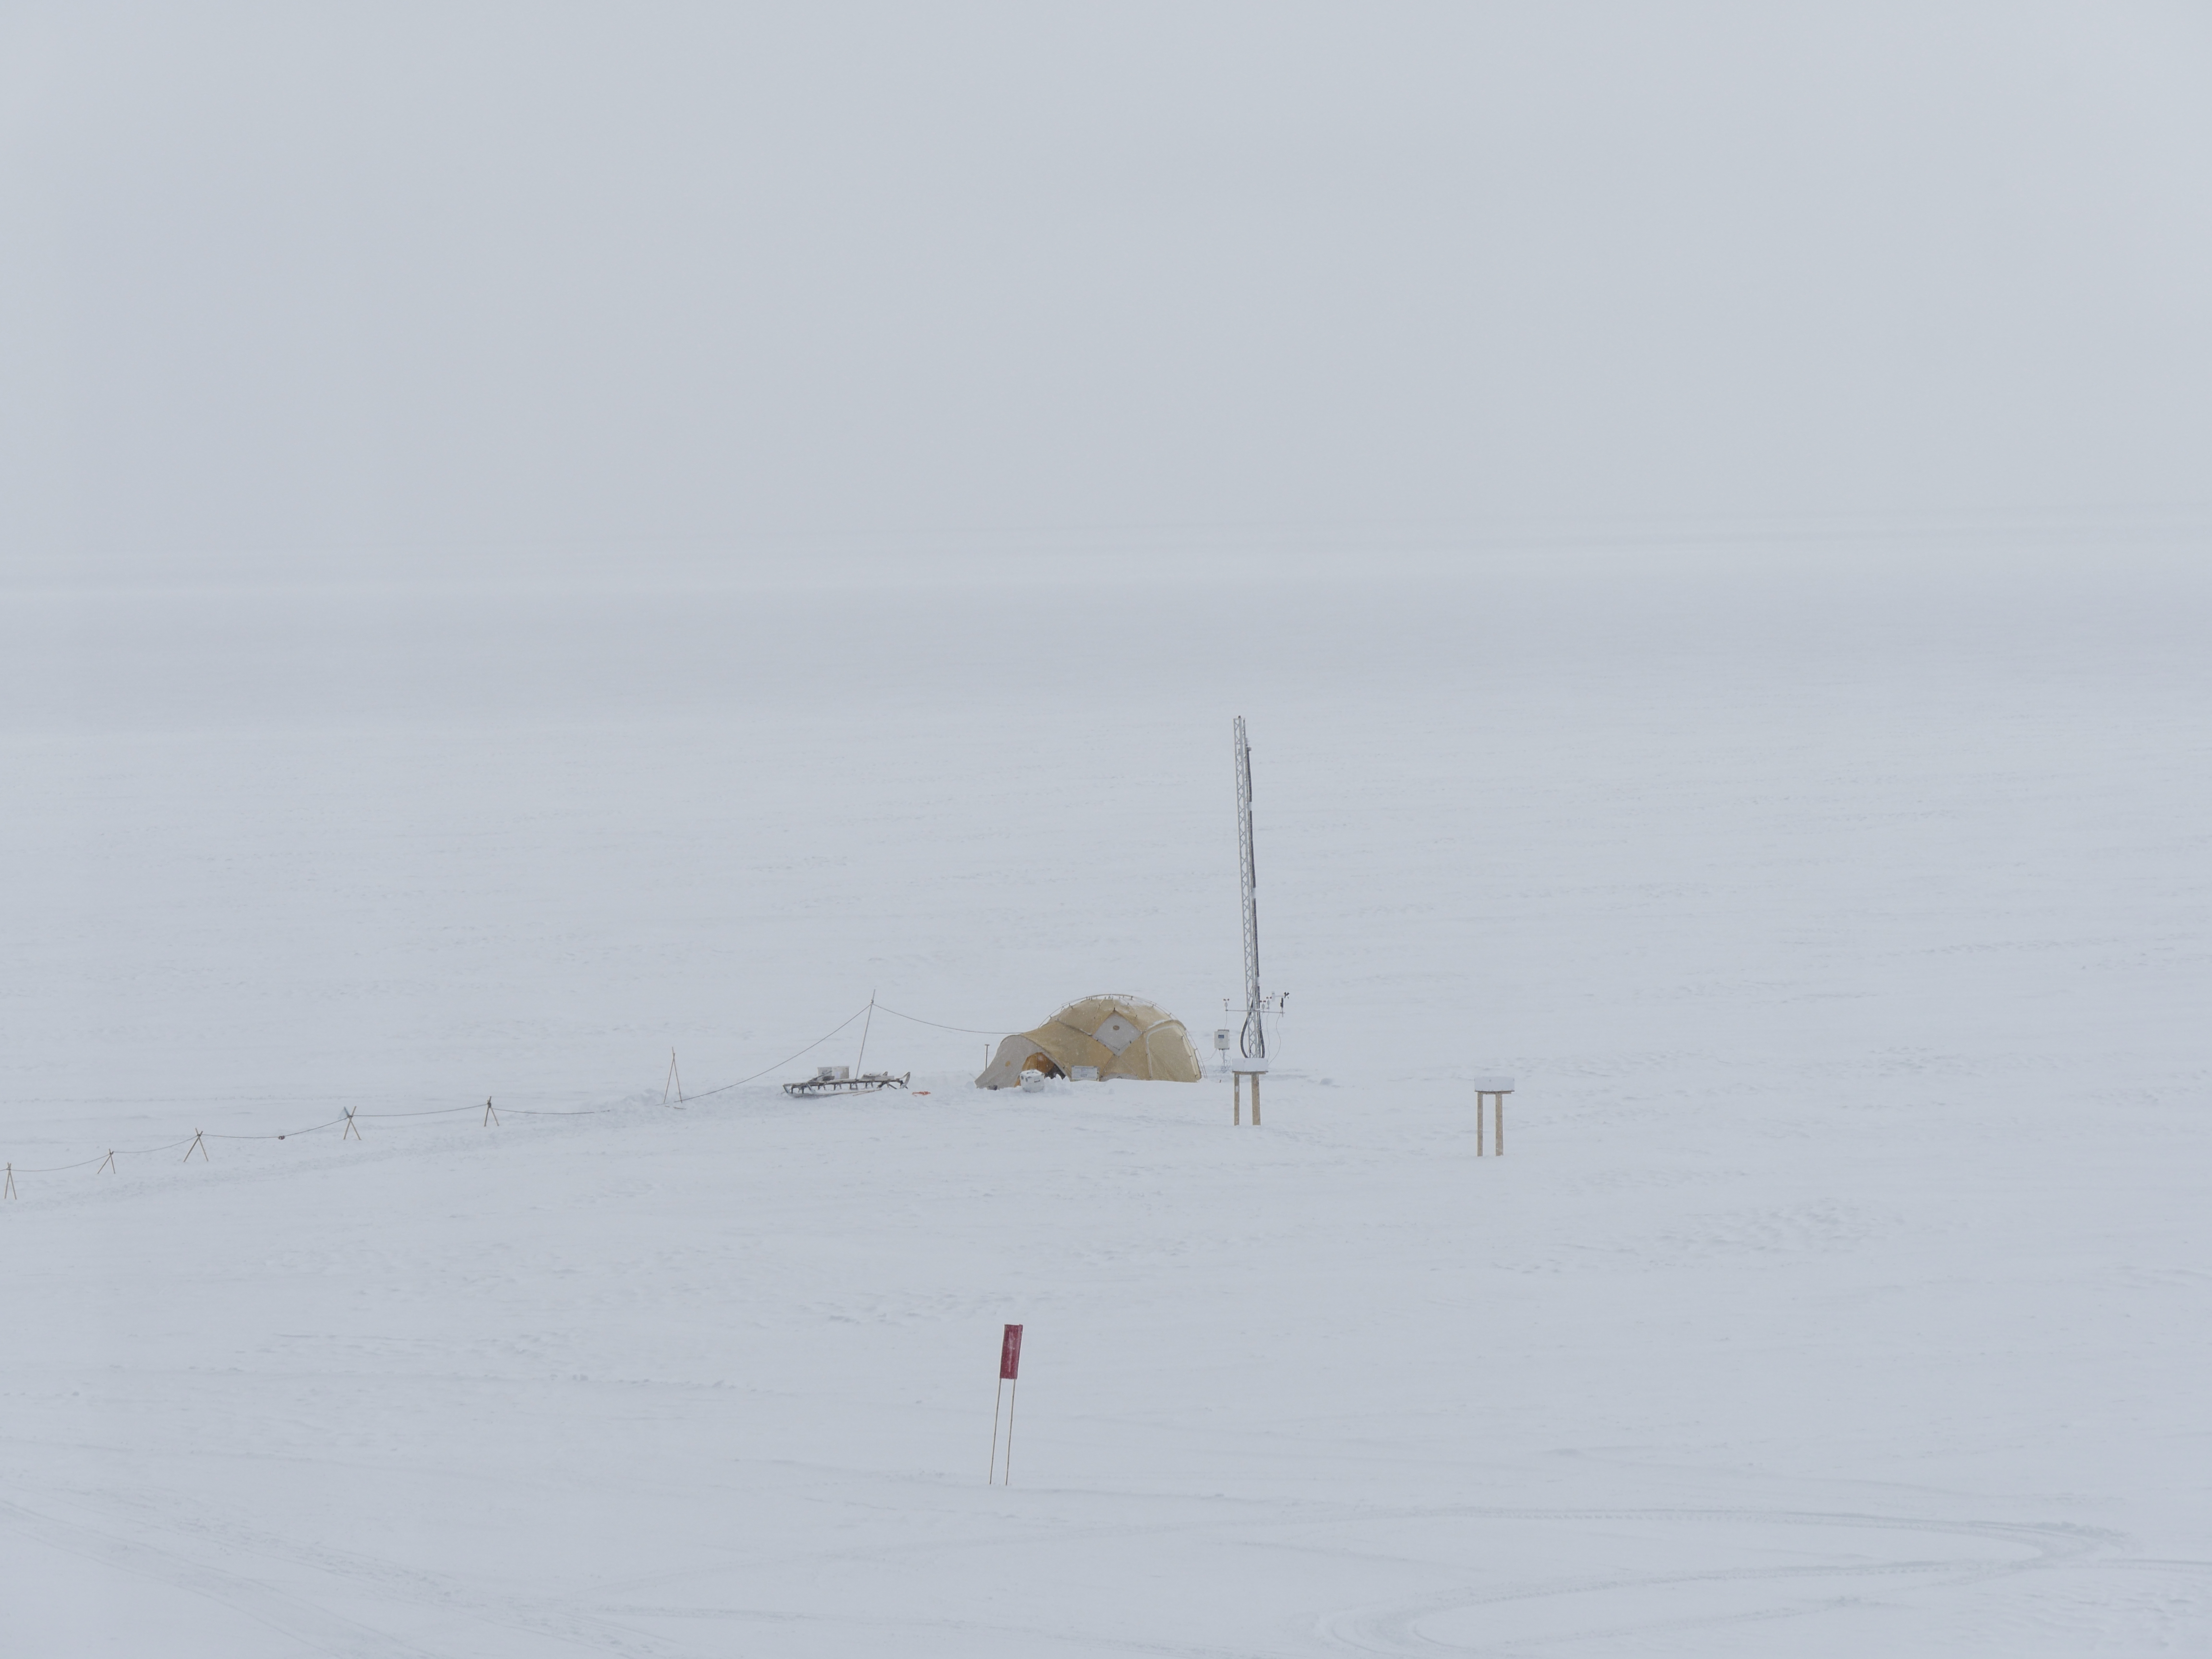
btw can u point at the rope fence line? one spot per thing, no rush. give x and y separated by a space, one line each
108 1156
351 1117
56 1169
435 1111
288 1134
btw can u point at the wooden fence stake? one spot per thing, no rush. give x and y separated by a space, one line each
1487 1089
200 1145
349 1130
107 1164
491 1118
10 1191
1239 1074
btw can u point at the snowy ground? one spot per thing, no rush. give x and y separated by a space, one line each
1843 1291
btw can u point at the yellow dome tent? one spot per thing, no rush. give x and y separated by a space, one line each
1119 1035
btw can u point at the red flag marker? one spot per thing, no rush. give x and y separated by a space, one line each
1010 1370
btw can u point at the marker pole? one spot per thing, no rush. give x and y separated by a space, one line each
996 1400
1010 1370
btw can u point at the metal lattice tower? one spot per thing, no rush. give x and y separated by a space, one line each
1253 1041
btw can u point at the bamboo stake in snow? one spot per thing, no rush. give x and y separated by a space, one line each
1010 1370
998 1399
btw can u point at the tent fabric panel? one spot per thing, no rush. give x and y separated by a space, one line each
1170 1055
1161 1052
1004 1071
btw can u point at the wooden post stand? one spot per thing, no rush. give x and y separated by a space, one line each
1486 1090
1239 1070
200 1145
351 1132
491 1118
10 1190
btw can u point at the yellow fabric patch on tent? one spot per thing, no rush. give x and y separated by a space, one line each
1122 1037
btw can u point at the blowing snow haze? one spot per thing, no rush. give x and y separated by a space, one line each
562 569
388 288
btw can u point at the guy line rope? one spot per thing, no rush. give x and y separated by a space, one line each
350 1117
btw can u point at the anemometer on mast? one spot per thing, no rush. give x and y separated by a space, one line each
1252 1040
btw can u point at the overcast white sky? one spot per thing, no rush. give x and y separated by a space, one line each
383 286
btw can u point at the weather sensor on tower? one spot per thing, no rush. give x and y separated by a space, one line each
1251 1057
